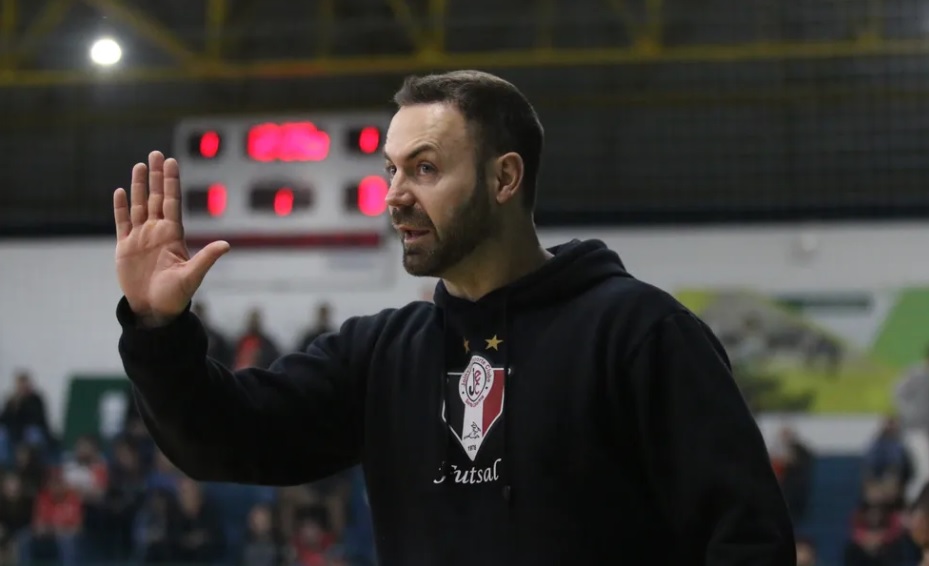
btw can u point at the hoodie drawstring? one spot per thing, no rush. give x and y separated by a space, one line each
443 386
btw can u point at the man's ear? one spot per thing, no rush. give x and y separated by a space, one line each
508 172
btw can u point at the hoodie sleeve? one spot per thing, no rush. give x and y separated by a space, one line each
706 459
298 421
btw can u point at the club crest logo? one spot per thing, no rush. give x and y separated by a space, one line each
479 389
476 382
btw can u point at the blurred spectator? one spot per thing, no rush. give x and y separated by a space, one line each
334 493
888 459
311 542
322 325
806 552
30 467
793 464
124 496
878 536
136 433
85 471
294 502
24 416
255 348
918 524
264 545
57 521
15 516
198 533
6 448
153 533
911 397
325 500
218 346
163 475
338 556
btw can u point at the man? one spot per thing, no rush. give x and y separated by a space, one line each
918 524
322 325
547 409
911 396
24 414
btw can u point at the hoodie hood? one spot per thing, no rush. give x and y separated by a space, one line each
576 267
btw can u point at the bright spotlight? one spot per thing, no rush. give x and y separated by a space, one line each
106 52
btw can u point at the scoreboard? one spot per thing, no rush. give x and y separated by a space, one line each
306 180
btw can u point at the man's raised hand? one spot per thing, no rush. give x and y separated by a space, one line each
154 267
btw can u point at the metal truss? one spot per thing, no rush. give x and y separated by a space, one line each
426 32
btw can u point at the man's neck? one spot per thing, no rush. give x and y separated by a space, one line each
496 264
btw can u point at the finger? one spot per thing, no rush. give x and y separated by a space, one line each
121 214
138 211
203 260
156 184
172 194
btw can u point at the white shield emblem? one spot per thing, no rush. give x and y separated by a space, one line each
480 388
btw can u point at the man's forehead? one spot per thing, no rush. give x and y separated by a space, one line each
436 124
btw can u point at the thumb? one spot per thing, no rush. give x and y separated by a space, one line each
203 260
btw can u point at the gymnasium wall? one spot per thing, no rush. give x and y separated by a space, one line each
57 297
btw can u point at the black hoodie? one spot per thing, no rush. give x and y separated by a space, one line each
575 416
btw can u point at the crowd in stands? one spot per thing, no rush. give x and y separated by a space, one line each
119 500
884 529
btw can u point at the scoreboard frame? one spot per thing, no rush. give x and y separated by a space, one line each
308 179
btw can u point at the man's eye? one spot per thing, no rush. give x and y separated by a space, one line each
426 168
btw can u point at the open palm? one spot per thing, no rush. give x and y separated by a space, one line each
155 271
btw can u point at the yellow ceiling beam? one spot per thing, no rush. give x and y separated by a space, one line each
404 15
216 14
649 98
9 20
49 18
529 58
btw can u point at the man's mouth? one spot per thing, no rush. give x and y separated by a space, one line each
413 235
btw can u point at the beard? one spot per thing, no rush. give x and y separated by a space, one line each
471 225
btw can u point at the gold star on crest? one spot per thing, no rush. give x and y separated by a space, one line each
493 343
467 345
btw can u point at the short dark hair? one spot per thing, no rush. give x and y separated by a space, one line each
503 118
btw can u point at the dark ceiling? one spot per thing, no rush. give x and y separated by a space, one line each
745 104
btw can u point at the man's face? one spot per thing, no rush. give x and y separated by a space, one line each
440 202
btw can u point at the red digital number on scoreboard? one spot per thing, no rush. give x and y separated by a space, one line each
291 141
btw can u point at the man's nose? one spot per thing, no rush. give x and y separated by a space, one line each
397 195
